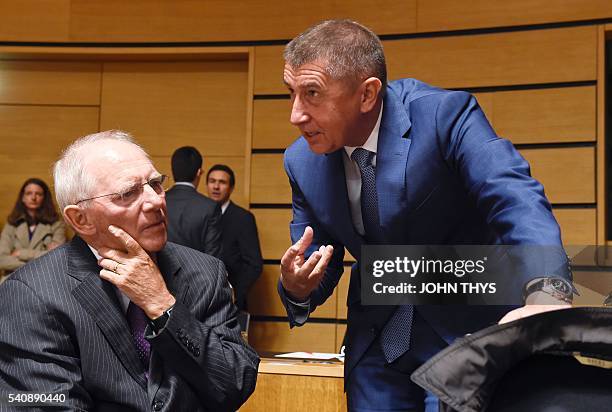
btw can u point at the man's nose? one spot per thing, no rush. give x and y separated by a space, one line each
152 200
298 113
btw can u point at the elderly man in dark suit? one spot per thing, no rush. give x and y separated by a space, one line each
193 219
120 319
241 250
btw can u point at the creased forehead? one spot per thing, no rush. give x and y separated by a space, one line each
109 157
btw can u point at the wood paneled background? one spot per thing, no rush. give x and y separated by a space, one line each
536 68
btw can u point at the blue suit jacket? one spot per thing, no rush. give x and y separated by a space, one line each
443 177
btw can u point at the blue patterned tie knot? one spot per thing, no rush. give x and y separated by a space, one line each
369 197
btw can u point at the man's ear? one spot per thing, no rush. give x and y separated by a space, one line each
78 219
370 92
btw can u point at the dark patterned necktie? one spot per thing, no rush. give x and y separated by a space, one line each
395 337
138 322
369 198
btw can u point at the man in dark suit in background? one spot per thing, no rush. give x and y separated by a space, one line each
241 251
404 163
193 219
119 319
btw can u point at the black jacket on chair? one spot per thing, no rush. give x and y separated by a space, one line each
530 364
194 220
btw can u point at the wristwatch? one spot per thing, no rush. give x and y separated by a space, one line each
158 323
558 288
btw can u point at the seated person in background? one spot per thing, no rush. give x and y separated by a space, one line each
120 319
241 251
33 228
193 219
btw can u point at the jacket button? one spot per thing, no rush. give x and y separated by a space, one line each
196 352
158 405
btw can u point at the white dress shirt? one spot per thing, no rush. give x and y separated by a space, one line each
353 175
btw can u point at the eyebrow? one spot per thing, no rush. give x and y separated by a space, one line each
310 84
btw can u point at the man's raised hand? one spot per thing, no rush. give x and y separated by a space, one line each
299 277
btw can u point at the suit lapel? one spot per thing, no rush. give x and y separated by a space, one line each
334 205
391 159
170 267
99 299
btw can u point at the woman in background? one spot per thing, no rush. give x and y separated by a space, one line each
33 228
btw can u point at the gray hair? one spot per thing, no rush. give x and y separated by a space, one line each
71 180
351 51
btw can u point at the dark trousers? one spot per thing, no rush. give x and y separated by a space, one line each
375 385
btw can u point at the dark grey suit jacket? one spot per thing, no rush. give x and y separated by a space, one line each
194 220
62 330
241 251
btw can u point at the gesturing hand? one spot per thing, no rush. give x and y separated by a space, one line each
300 278
133 271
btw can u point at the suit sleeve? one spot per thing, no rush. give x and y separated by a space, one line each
212 234
205 346
498 179
251 262
37 352
303 217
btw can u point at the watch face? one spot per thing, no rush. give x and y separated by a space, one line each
560 286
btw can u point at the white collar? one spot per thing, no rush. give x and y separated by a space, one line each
224 206
371 143
184 184
123 299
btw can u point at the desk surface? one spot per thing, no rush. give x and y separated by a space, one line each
280 366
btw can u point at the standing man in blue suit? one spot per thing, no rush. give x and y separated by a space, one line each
397 163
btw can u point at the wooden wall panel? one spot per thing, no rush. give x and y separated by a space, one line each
176 104
214 20
523 57
542 116
340 332
269 65
24 128
34 82
31 139
34 20
578 226
264 299
454 15
271 127
269 183
568 174
273 227
277 337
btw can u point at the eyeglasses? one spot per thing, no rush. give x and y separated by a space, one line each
130 195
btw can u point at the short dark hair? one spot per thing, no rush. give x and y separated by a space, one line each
350 50
46 214
186 161
226 169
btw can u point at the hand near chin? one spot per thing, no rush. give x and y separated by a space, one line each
134 272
